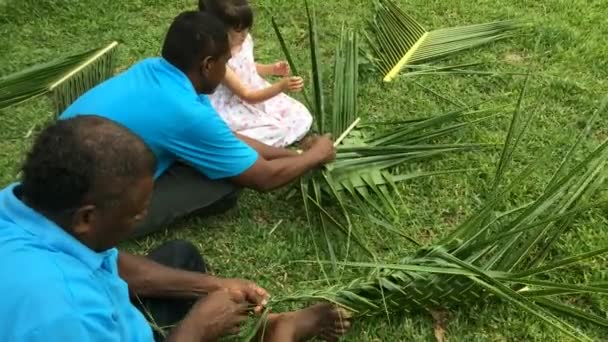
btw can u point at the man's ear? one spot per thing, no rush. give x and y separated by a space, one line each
207 65
82 220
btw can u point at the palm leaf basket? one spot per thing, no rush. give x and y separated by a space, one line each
64 79
398 40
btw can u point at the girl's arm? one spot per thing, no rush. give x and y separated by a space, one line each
233 83
265 69
276 69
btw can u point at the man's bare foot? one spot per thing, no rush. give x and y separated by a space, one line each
324 321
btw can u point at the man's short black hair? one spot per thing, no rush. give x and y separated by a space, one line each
236 14
192 37
86 158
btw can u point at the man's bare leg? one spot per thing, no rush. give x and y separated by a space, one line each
324 321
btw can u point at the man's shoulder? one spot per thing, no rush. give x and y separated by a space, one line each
193 109
35 297
29 258
34 261
151 63
125 90
46 287
36 281
134 73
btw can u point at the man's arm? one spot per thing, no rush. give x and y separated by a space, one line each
266 151
266 175
209 145
151 279
148 278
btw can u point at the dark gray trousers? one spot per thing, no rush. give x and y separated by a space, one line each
183 192
165 313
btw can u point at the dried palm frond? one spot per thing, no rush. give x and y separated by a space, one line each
398 40
65 79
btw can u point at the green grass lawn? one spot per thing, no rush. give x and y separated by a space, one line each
566 48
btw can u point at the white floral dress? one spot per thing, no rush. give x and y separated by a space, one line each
279 121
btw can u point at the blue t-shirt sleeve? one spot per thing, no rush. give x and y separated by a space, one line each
209 145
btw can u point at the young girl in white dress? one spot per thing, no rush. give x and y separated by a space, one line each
246 101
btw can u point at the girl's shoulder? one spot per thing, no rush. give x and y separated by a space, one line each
249 39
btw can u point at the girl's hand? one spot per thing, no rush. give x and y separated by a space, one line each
292 84
281 69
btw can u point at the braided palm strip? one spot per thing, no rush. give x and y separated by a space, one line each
398 291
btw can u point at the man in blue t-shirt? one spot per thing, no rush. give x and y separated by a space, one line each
85 184
201 164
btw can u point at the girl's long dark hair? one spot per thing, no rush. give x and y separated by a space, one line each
236 14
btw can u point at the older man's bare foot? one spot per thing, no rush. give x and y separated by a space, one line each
324 321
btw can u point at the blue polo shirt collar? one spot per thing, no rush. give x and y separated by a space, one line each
181 78
49 233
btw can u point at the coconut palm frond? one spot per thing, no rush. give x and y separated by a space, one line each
398 40
346 75
317 71
94 70
368 170
492 256
368 163
65 79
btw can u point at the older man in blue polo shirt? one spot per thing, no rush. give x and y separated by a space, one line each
86 183
201 164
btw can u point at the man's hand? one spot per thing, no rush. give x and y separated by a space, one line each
266 175
218 314
306 143
323 148
281 69
250 291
